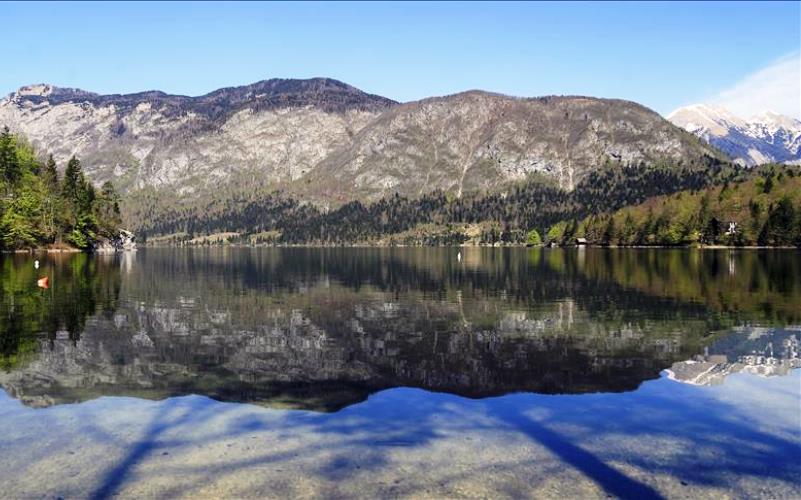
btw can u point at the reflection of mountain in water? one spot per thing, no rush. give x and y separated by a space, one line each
766 352
321 329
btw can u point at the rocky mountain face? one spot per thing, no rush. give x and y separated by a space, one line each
769 137
476 140
327 141
271 132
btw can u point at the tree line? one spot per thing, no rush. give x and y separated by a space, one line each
513 215
39 207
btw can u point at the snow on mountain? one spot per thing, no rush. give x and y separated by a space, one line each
767 137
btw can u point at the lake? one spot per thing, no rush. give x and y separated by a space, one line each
422 372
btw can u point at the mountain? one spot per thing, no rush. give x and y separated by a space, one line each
475 141
326 141
768 137
274 130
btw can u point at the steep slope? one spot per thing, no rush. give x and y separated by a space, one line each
478 140
270 132
769 137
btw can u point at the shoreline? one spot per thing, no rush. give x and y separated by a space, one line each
43 250
36 251
365 245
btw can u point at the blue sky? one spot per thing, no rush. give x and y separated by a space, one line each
662 55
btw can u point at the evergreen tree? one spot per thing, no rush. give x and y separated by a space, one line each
9 163
780 227
610 233
768 186
50 175
711 231
37 209
73 183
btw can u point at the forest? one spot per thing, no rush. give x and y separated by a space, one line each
519 214
41 208
764 210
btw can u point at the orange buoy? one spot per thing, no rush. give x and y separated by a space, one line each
43 282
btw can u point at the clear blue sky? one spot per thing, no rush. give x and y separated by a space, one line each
662 55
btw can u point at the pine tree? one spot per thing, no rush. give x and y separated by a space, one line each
9 164
610 233
73 182
50 175
108 208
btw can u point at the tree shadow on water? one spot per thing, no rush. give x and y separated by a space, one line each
346 448
150 441
609 479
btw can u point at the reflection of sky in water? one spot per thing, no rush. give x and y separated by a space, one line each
666 438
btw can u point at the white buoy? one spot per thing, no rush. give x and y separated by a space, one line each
36 264
459 256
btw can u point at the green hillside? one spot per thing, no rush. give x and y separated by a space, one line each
763 210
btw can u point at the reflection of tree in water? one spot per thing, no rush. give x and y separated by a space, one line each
753 284
80 286
323 328
744 284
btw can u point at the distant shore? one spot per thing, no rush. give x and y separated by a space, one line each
368 245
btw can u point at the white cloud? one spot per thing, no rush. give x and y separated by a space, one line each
776 87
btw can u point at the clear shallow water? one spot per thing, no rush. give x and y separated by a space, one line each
364 372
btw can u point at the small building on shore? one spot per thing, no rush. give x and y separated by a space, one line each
581 242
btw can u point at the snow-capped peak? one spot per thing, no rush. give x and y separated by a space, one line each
775 120
767 137
705 119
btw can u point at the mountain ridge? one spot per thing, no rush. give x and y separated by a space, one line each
328 142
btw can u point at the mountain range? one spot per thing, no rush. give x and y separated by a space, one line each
768 137
328 142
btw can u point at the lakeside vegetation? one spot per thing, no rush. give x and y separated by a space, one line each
40 208
764 210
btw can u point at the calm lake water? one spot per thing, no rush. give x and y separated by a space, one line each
469 372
